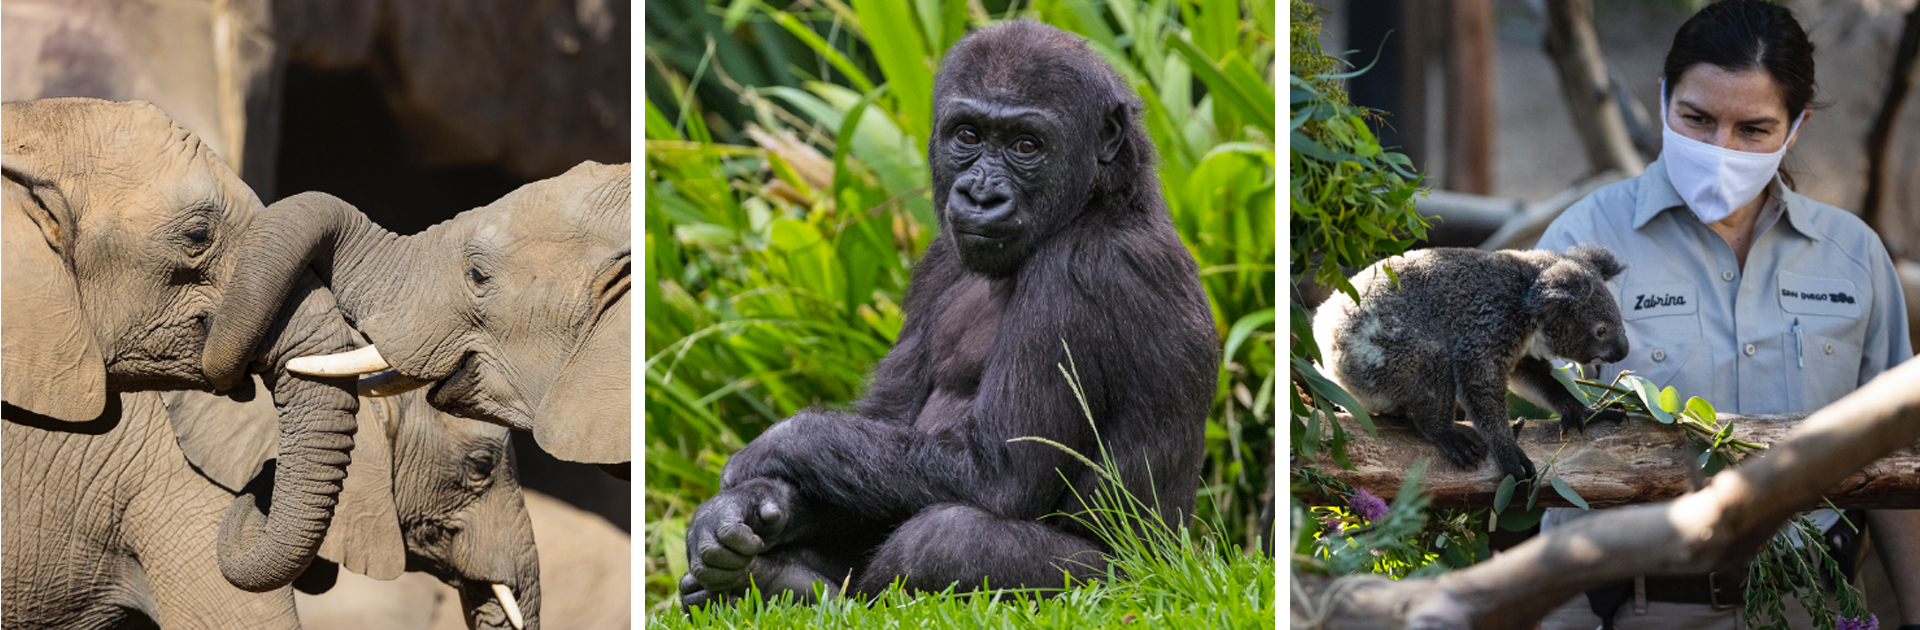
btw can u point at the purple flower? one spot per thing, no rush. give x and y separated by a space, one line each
1870 623
1370 508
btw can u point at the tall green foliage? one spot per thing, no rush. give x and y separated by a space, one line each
778 252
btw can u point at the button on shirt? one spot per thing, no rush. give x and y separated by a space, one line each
1816 312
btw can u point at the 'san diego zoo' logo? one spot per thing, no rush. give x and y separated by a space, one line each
1644 301
1837 297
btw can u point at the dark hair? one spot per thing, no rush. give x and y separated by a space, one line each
1747 35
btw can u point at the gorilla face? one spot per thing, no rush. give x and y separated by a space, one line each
998 167
1007 174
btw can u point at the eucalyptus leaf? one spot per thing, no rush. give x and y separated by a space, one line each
1566 492
1649 394
1504 495
1578 391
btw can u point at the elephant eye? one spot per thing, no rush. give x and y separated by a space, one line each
196 237
478 281
480 466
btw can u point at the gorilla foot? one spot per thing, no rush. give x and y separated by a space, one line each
772 575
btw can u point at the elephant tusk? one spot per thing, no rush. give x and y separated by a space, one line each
389 383
363 361
506 601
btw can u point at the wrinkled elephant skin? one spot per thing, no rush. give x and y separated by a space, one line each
101 529
517 312
120 229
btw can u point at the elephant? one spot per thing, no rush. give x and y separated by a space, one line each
120 231
516 313
117 528
583 569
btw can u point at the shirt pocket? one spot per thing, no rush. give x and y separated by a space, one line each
1828 369
1663 330
1824 354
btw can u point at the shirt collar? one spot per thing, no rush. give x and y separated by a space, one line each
1660 196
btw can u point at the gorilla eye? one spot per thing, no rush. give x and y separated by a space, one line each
1026 147
968 137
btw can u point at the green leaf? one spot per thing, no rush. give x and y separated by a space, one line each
1566 491
1245 327
820 47
790 235
898 47
1504 495
1566 379
1306 146
1670 400
1326 388
1702 410
1224 89
1520 520
1649 396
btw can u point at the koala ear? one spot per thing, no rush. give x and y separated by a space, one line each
1597 256
1563 281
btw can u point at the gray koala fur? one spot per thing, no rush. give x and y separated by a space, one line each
1480 321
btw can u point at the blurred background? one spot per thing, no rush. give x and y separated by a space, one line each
411 110
1474 95
787 199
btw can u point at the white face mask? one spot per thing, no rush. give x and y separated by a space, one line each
1715 181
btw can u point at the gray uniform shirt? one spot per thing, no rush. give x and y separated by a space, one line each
1817 311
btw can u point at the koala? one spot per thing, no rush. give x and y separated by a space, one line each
1478 321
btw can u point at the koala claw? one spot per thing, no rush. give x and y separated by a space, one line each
1461 447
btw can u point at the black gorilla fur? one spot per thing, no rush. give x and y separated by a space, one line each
1054 238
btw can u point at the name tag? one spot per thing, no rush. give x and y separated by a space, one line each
1814 295
1656 300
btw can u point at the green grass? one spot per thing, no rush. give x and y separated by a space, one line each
1156 576
1204 585
788 198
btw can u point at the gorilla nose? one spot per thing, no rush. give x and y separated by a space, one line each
986 197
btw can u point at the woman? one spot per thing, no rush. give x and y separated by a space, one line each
1737 289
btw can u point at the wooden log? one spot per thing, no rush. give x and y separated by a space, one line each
1712 529
1612 464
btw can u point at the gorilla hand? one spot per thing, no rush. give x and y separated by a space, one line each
729 531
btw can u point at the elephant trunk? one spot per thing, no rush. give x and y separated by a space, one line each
273 530
494 551
309 230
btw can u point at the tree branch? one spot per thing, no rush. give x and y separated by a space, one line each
1575 49
1711 529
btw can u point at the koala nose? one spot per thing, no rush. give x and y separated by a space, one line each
1617 352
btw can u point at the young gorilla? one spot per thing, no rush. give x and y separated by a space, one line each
1054 238
1488 320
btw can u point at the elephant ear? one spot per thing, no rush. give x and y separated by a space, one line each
230 443
227 442
47 349
365 534
585 416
